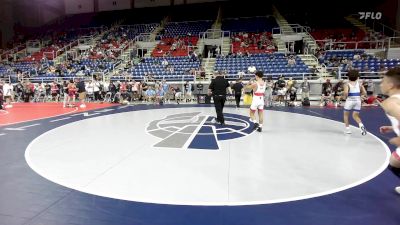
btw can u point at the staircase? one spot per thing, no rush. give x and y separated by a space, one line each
150 50
208 64
93 41
153 36
312 44
311 61
281 44
282 22
226 46
200 46
126 54
285 29
358 24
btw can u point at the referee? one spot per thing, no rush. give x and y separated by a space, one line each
217 89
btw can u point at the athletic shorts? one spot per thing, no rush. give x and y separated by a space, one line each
257 103
282 92
351 105
71 93
82 95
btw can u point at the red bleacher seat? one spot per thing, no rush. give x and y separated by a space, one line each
166 43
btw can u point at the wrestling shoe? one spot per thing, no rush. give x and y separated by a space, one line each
363 131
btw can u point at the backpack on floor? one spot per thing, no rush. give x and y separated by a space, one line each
306 102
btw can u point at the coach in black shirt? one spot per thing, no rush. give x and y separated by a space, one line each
217 89
237 87
81 91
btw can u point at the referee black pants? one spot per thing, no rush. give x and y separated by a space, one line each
219 102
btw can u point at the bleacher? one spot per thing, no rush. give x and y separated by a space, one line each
374 64
346 54
3 71
274 64
266 45
134 30
25 66
365 63
84 67
181 67
253 25
180 29
164 47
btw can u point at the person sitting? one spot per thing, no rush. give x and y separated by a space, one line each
338 93
326 96
292 93
291 61
160 95
150 94
280 86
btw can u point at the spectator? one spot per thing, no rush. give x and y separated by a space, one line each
280 86
305 89
290 83
326 96
338 93
238 88
164 63
291 61
150 94
370 88
240 74
188 91
292 92
268 91
82 92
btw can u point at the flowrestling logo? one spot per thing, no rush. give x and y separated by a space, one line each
197 131
370 15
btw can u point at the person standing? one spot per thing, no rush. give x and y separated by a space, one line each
188 91
71 94
54 89
217 89
268 91
237 88
390 86
305 89
8 94
338 93
353 92
371 88
326 96
82 92
257 102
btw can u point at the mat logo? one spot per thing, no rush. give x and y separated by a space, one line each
370 15
197 131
